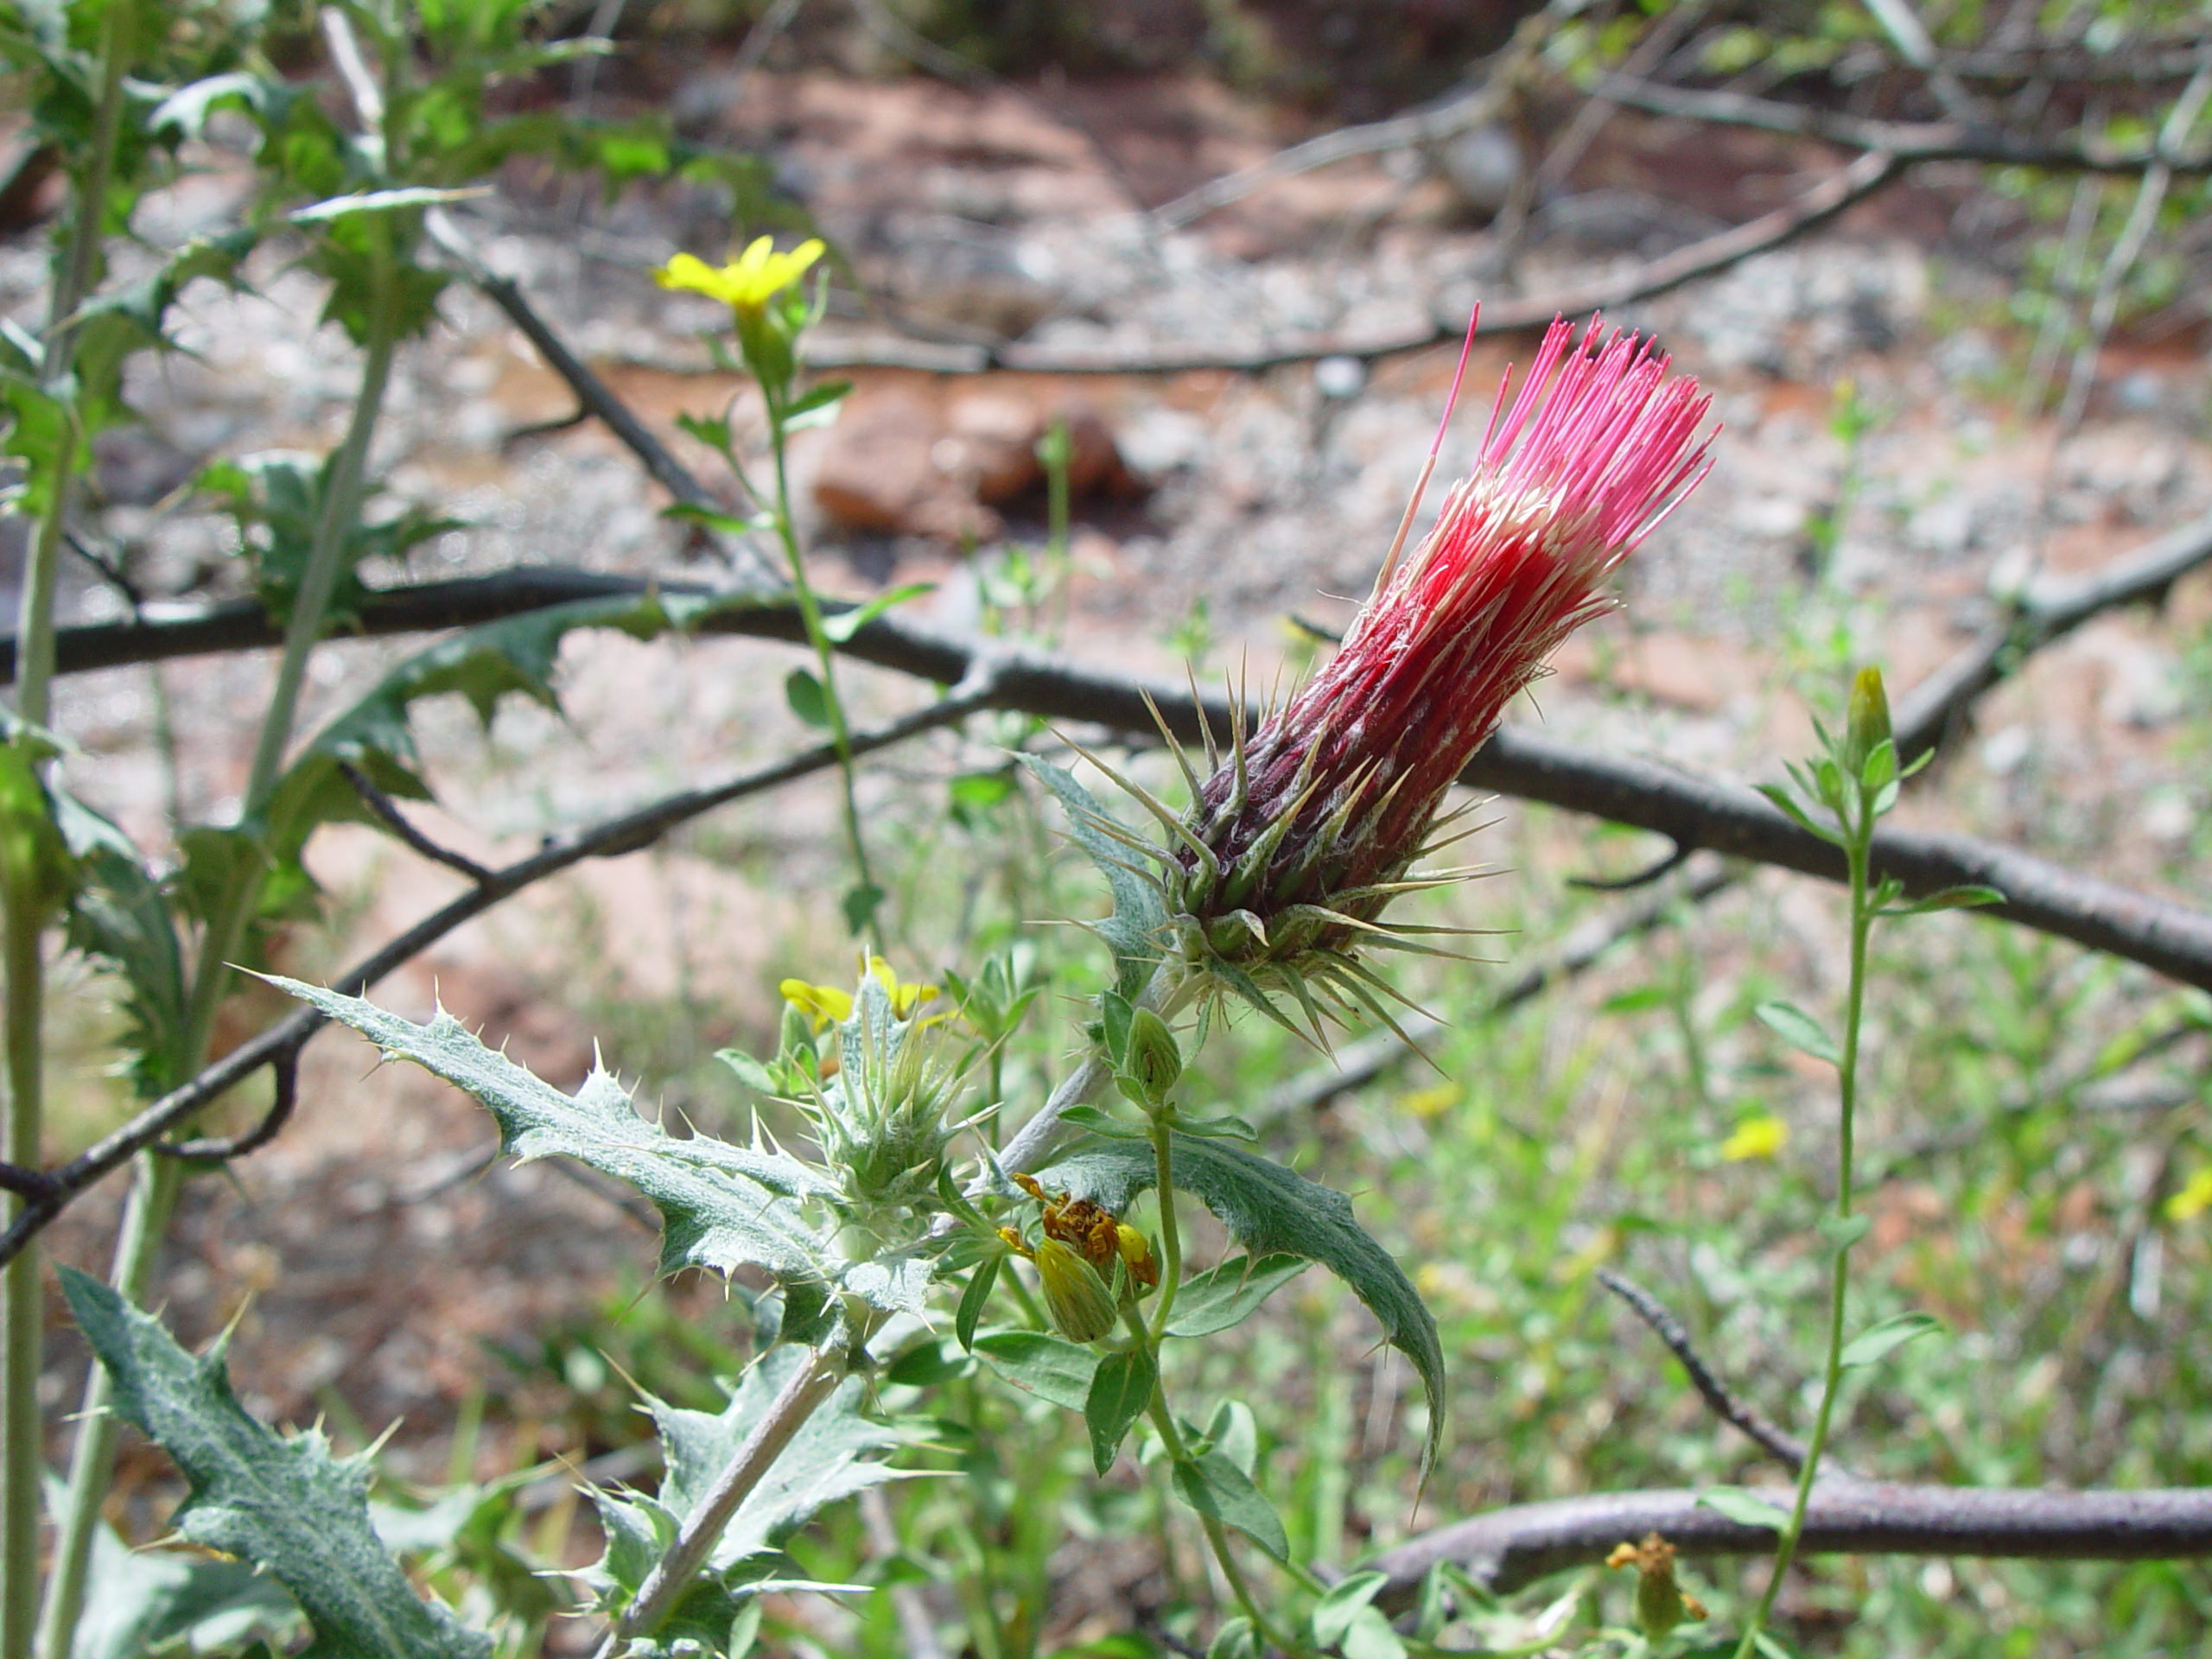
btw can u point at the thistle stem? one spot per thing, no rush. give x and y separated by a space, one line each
1217 1534
1856 851
1171 1234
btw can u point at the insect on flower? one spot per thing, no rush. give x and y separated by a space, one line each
1310 825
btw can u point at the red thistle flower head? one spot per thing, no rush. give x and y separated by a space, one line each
1308 828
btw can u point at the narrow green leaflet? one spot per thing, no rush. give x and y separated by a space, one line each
722 1206
1800 1030
1745 1509
286 1505
1213 1485
1270 1209
1133 932
1119 1390
1228 1294
1878 1340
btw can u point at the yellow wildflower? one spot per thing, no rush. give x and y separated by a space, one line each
746 282
2194 1198
1755 1137
828 1004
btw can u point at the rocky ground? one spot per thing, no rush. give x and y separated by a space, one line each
1210 506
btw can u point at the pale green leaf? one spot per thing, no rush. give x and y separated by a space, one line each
284 1504
1333 1613
722 1206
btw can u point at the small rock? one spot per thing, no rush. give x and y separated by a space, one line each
879 470
1482 165
1339 376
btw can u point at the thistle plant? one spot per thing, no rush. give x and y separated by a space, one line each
1275 881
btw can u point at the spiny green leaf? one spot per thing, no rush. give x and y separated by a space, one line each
140 1602
286 1505
1133 932
1230 1293
829 1458
1270 1209
722 1206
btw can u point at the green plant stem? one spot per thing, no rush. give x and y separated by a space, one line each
158 1179
810 610
1217 1534
22 1452
1856 855
809 1387
20 1437
1171 1234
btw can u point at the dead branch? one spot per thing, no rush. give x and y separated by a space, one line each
1510 1547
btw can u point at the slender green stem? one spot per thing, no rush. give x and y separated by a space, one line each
22 1291
810 610
1171 1233
1217 1534
20 1437
1856 842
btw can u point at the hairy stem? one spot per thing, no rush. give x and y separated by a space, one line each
1862 919
809 1387
1171 1233
20 1437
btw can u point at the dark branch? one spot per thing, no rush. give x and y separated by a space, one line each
1510 1547
388 813
1777 1441
284 1071
49 1192
1694 812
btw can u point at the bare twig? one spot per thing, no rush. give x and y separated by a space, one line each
51 1191
284 1070
388 813
1510 1547
1777 1441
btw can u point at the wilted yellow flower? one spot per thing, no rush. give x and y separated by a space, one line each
1075 1296
2194 1198
746 282
1755 1137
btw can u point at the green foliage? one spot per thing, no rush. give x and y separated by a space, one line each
1270 1209
285 1505
1134 930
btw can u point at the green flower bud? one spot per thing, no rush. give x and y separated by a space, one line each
1080 1306
1867 726
1155 1059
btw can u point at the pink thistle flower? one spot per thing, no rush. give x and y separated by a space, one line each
1307 830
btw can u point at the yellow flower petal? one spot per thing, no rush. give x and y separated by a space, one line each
746 282
1755 1137
825 1004
2194 1198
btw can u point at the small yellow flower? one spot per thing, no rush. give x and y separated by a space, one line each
746 282
2194 1198
905 996
830 1005
1755 1137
